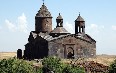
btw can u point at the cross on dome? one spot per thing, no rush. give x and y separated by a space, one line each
43 1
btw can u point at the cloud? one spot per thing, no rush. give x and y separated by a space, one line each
20 24
69 27
113 27
10 25
91 29
95 31
94 28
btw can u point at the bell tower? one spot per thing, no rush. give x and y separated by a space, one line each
43 20
79 25
59 21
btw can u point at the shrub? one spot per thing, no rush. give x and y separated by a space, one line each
54 64
15 66
112 68
51 64
71 69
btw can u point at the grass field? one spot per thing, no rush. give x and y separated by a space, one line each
5 55
103 59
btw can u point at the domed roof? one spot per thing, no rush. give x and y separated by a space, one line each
59 30
43 12
59 17
79 18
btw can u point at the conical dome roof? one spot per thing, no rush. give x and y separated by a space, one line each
79 18
43 12
59 17
59 30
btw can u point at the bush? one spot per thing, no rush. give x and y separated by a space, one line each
54 64
70 69
112 68
15 66
51 64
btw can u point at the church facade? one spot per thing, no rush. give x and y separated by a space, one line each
58 42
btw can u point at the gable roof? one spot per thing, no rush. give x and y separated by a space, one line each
88 36
45 36
73 35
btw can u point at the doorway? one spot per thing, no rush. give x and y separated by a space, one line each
70 53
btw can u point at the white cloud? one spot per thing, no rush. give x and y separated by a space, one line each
114 27
93 28
69 27
95 31
10 25
20 25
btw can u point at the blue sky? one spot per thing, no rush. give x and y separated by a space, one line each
17 19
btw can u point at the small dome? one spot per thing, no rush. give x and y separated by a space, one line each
79 18
59 17
43 12
59 30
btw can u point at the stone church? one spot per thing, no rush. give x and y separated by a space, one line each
58 42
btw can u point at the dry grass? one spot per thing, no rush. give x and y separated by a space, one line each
103 59
6 55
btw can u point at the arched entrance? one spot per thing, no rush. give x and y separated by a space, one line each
70 53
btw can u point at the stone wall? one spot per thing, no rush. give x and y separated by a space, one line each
77 46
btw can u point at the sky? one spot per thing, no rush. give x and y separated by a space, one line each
17 20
